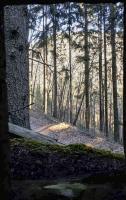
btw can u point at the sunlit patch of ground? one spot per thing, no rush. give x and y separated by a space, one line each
59 127
89 145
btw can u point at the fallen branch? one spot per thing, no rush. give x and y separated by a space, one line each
26 133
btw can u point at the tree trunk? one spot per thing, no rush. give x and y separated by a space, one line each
55 66
4 143
70 87
105 63
62 96
16 33
114 73
30 134
79 109
44 67
46 60
87 111
31 80
101 105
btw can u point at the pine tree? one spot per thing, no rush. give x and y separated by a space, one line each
55 64
87 111
105 64
114 73
101 101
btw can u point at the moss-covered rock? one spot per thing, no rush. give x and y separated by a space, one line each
35 160
66 149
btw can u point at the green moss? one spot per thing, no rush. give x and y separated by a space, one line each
66 149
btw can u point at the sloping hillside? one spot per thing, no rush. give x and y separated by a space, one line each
67 134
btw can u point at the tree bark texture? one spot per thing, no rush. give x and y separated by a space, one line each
16 34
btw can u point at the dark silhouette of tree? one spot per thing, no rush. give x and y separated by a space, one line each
101 101
54 11
87 111
4 143
105 65
114 73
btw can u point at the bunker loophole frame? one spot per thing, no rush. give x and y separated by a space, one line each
46 2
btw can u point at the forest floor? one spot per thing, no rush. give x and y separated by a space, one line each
67 134
65 172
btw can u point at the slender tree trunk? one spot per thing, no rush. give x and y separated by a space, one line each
94 123
62 95
70 67
31 80
67 107
34 83
87 111
46 60
90 97
114 73
78 91
106 88
44 70
4 141
79 109
110 115
100 70
55 65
